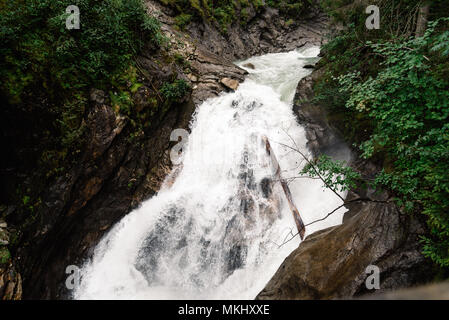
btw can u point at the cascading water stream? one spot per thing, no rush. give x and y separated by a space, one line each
214 232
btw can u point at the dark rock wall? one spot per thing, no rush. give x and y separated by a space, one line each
267 31
117 169
116 173
114 177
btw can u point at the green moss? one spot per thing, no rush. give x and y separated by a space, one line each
182 20
175 90
289 22
25 200
49 69
226 12
5 255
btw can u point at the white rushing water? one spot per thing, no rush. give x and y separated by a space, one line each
214 232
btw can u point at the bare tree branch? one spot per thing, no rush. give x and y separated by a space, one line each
330 213
311 165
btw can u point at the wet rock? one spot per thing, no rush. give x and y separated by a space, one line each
209 69
230 83
192 77
10 279
10 284
104 125
322 136
265 32
309 66
4 234
97 96
249 66
331 263
436 291
142 98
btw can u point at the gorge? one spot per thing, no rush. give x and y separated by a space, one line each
213 232
216 226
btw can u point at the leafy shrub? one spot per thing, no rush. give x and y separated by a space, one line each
176 90
183 20
291 8
38 52
336 175
410 107
226 12
394 94
47 72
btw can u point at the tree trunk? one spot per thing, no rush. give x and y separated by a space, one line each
277 172
421 24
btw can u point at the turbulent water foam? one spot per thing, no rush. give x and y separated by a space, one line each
214 233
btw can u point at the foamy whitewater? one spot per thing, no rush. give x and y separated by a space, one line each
214 233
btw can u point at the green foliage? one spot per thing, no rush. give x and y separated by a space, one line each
48 70
291 8
140 113
289 22
336 175
226 12
183 20
38 51
393 93
176 90
25 200
224 15
5 255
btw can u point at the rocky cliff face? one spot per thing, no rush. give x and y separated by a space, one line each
266 31
115 173
117 168
332 263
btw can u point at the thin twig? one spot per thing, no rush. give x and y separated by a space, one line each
330 213
314 169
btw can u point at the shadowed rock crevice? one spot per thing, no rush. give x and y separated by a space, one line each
267 31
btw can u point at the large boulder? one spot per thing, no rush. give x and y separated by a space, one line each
231 84
332 263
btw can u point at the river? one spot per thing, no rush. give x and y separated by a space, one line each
214 231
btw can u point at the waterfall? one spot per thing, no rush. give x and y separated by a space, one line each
214 231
